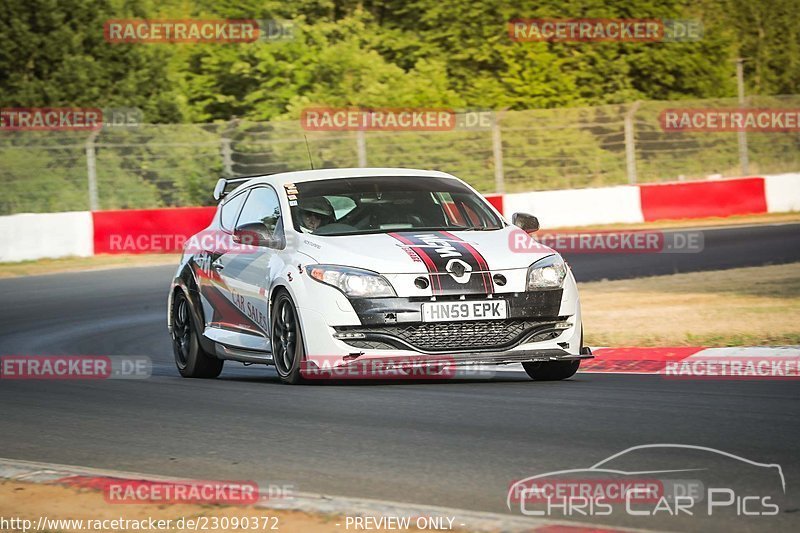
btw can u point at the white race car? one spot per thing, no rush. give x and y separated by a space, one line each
324 271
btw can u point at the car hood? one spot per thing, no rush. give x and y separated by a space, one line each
411 252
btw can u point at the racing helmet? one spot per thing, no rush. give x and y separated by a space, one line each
318 205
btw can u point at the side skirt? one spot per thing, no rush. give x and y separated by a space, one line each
242 355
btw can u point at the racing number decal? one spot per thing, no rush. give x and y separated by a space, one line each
456 267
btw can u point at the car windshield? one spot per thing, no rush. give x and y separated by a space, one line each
384 204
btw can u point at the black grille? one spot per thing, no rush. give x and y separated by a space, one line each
369 345
432 337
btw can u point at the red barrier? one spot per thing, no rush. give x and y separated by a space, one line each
701 199
144 231
497 201
139 231
165 230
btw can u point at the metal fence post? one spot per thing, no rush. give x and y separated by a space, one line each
361 148
226 148
497 154
227 159
630 143
91 171
744 160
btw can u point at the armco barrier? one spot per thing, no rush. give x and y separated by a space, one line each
147 230
36 236
701 199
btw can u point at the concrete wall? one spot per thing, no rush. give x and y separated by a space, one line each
578 207
783 193
36 236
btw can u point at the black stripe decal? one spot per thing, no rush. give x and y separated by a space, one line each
440 250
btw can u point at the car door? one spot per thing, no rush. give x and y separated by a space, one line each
210 250
259 231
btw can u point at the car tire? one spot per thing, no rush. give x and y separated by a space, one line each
553 370
288 352
190 357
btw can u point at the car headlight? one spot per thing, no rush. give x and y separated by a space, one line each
547 273
353 282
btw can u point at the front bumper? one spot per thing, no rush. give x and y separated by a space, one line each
447 337
341 328
466 365
490 358
522 305
396 324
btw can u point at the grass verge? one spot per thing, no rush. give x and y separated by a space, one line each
80 264
31 501
744 306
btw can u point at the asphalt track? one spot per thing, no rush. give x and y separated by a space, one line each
455 444
723 248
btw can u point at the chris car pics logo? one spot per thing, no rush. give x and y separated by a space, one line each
683 480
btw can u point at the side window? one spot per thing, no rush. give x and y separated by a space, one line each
261 206
230 210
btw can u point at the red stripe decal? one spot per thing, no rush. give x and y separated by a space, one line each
436 287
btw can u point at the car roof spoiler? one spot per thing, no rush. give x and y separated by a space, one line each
221 189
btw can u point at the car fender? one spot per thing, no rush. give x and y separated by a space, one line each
186 282
288 277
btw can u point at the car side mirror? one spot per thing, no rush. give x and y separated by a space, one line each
528 223
255 234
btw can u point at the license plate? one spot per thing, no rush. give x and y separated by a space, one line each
453 311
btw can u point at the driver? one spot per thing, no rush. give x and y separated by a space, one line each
314 212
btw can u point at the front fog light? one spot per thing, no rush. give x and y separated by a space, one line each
547 273
342 336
